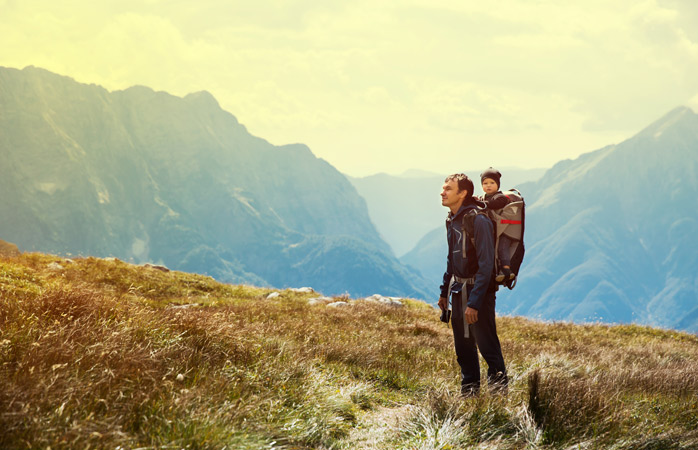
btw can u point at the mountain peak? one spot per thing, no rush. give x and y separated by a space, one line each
679 115
203 98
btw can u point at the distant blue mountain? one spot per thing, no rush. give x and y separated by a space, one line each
149 177
611 236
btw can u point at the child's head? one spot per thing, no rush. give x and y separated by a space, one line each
490 180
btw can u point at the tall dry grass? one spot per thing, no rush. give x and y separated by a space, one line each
102 354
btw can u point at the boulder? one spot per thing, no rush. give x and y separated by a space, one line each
55 266
389 301
338 304
184 306
316 300
156 267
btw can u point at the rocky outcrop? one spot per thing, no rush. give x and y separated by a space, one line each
8 250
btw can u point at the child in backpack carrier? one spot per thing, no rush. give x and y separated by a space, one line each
495 200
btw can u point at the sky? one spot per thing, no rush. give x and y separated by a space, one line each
386 86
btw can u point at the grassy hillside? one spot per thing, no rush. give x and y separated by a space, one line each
101 354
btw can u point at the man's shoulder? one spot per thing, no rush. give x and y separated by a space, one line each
481 220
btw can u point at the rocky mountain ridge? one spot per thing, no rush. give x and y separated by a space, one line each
150 177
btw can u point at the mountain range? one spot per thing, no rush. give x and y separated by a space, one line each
146 176
610 236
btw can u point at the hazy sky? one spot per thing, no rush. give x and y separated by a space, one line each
373 85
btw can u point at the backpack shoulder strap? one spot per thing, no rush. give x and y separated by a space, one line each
468 221
468 224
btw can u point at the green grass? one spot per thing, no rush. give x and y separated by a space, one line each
102 354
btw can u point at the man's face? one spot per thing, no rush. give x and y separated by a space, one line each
450 196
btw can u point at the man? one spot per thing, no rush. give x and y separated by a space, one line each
469 279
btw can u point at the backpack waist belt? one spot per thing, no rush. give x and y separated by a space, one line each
465 280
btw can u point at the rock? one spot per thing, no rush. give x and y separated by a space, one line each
55 266
156 267
316 300
338 304
273 295
8 250
185 306
112 259
302 290
389 301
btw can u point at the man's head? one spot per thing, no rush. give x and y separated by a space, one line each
457 189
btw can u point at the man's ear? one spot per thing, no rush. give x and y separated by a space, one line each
464 192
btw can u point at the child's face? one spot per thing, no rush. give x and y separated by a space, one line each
489 186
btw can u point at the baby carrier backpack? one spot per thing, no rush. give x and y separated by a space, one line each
509 221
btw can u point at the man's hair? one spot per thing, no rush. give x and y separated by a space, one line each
463 183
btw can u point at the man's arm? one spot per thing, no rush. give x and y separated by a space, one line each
484 248
443 298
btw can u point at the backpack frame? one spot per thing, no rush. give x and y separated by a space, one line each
510 221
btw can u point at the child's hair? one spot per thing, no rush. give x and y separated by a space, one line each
492 174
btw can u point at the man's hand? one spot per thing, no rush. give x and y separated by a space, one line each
470 315
443 303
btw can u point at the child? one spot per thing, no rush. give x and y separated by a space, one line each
495 200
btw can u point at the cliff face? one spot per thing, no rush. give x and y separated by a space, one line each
146 176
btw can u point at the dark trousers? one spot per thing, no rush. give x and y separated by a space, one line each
483 336
503 250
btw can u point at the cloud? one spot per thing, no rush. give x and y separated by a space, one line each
693 103
382 79
482 109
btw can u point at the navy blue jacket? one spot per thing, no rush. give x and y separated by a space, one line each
478 262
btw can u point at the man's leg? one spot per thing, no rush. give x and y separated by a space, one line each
466 350
485 331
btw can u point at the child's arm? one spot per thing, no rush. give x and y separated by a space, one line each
498 201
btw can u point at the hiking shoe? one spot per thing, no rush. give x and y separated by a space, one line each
498 384
469 390
504 275
507 273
